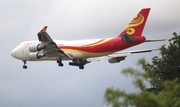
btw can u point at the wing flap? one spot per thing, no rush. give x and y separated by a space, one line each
95 59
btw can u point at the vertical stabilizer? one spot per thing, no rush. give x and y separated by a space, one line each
136 26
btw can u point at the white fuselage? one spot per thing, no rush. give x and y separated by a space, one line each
22 52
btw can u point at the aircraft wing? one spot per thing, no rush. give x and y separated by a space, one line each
50 47
95 59
122 54
125 54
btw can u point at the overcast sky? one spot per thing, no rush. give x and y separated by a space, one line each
44 83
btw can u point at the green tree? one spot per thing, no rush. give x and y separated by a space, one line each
163 75
167 66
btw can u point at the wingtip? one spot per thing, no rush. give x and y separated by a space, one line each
148 8
44 29
162 46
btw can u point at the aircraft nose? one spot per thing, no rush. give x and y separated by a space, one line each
14 52
20 53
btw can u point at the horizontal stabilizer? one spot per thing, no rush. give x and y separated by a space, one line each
155 40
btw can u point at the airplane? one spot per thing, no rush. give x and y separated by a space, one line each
82 52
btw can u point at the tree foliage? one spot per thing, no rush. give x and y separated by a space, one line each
166 67
163 75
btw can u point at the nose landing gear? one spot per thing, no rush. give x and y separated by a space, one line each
24 66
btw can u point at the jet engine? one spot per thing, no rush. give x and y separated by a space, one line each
35 47
36 55
115 59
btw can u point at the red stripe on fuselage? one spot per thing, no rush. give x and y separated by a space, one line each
112 45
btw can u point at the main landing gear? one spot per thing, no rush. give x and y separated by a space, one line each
79 63
60 62
24 66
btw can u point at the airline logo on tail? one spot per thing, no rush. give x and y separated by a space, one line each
137 21
136 26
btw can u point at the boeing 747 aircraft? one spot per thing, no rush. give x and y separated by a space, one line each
82 52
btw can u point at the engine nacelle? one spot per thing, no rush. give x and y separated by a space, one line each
115 59
36 55
35 47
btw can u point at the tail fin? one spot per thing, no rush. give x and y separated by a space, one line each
136 26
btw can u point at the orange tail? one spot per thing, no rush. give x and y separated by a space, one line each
136 26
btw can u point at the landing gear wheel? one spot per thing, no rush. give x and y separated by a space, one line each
61 64
70 63
24 67
81 66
